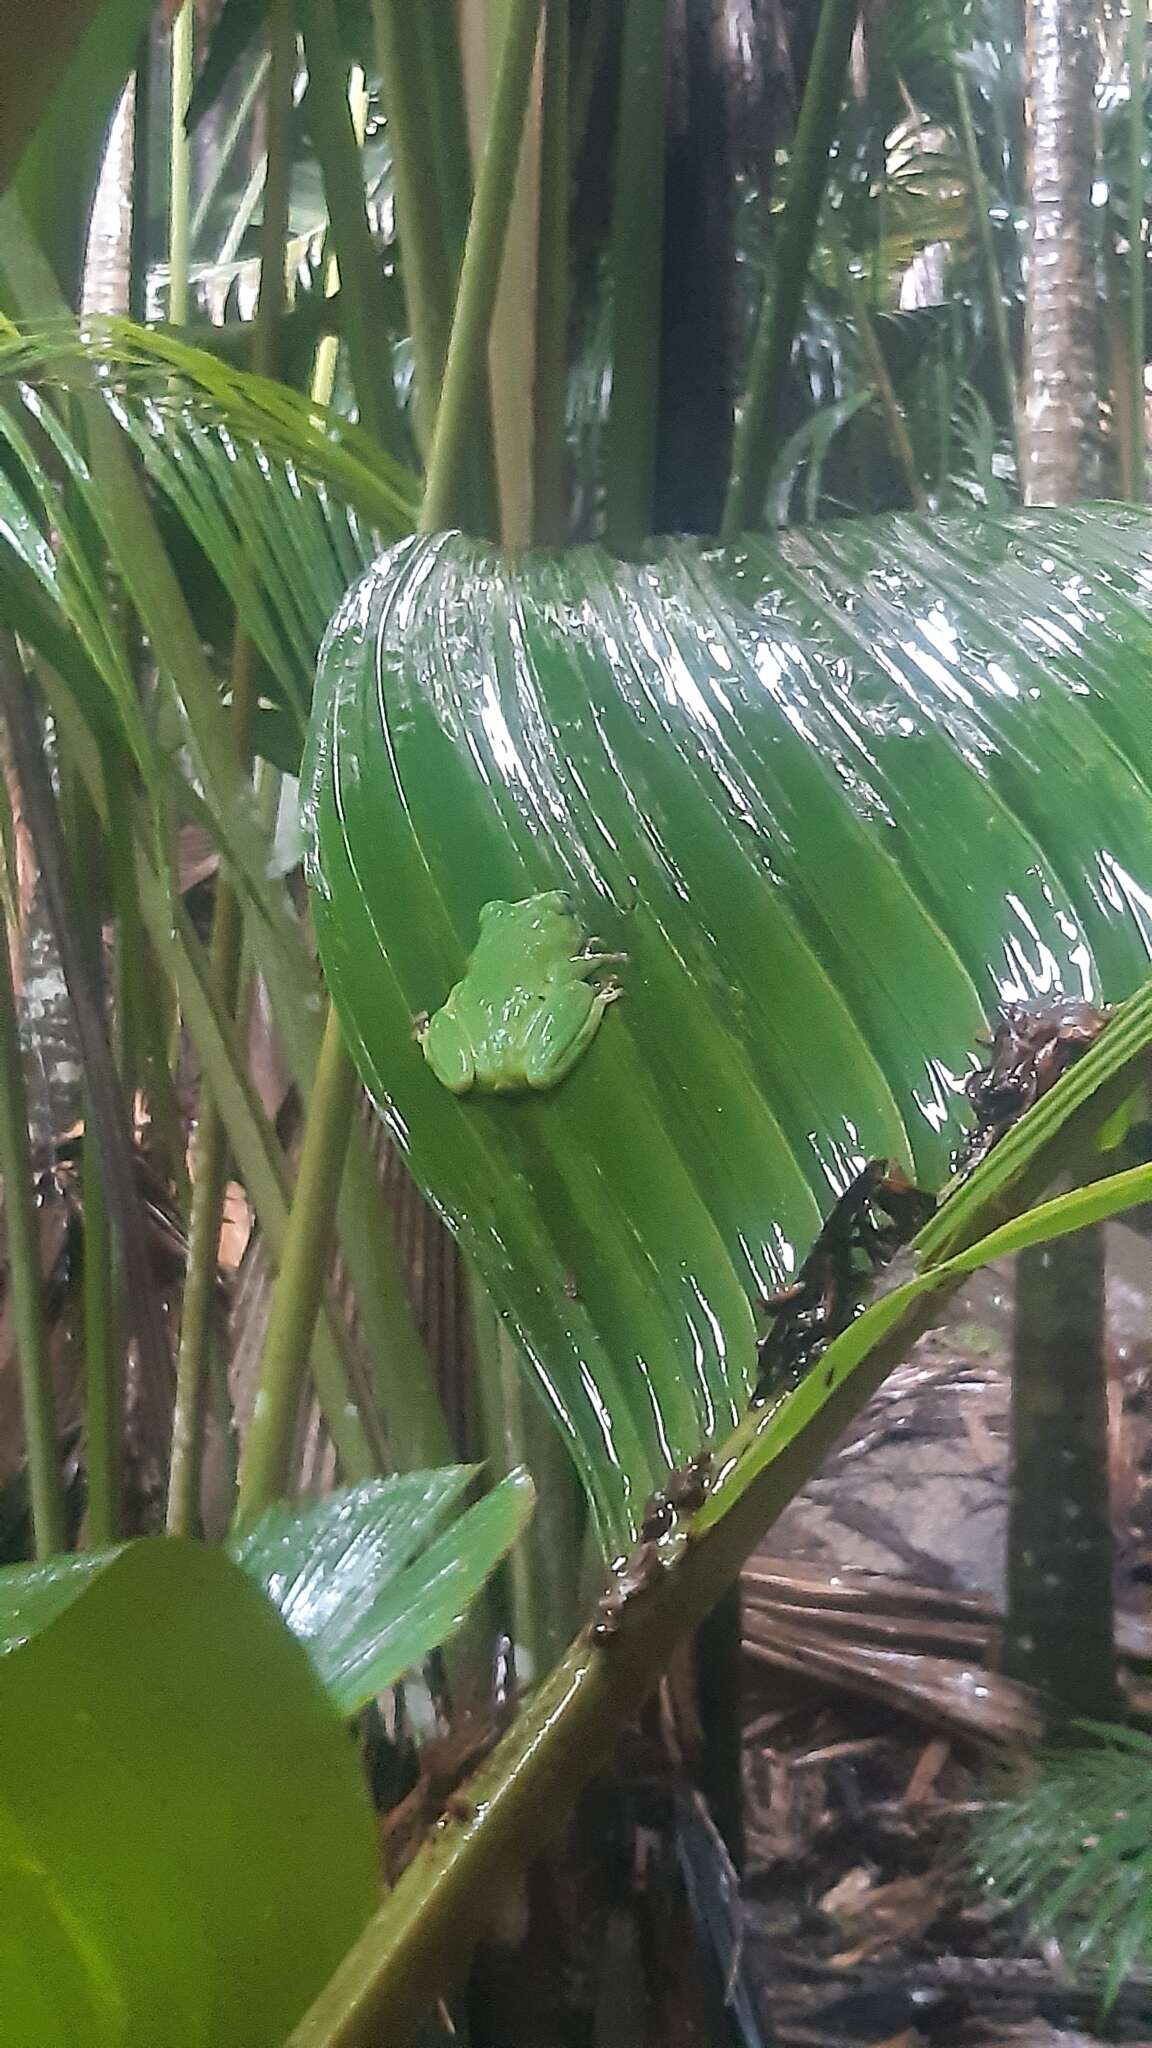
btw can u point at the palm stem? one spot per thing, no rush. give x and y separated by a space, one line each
210 1165
549 448
365 311
637 239
464 371
30 1330
982 216
264 1469
265 1466
898 435
103 1362
179 165
428 280
109 1110
1137 28
757 427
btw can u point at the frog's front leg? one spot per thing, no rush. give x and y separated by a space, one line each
448 1051
563 1028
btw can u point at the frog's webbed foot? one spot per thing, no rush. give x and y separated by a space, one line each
591 958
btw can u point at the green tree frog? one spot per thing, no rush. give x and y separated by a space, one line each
526 1009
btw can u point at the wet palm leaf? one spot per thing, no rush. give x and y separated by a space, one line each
836 798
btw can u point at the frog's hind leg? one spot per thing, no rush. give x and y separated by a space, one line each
448 1053
561 1032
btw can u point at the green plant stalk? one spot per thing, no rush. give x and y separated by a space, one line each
894 418
210 1168
273 929
362 297
109 1109
138 230
543 1572
254 1144
103 1363
29 1324
224 150
265 1467
550 397
434 34
256 1148
462 392
429 273
756 428
90 852
179 165
637 267
1137 27
586 68
982 221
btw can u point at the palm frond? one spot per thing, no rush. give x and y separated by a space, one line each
1074 1852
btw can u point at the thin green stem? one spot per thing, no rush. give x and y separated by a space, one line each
550 398
362 295
222 152
1137 28
210 1166
209 1180
110 1112
103 1361
464 373
758 425
265 1468
637 269
428 271
435 34
179 165
980 202
30 1329
141 181
901 440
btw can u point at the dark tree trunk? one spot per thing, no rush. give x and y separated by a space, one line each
1060 441
1060 1631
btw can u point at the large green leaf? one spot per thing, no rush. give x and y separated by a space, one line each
186 1845
836 798
370 1580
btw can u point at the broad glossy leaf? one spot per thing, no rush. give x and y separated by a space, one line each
836 797
365 1581
186 1844
370 1580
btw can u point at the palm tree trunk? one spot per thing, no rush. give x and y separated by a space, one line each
1059 1635
1060 447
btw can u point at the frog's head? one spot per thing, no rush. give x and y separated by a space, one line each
551 902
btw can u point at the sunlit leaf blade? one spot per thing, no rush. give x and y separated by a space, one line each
819 791
32 1595
206 1857
371 1581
